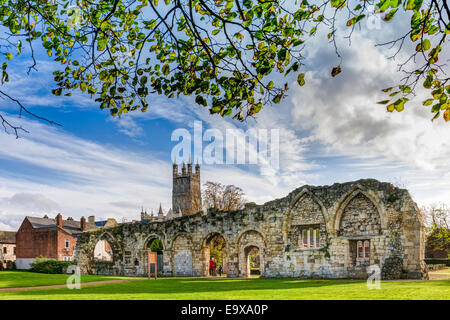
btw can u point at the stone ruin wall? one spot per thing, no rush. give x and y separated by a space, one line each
344 213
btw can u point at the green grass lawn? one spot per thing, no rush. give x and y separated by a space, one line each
19 279
233 289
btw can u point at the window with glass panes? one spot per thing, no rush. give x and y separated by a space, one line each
310 237
363 249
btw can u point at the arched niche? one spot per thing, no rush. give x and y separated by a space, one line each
305 225
359 215
182 255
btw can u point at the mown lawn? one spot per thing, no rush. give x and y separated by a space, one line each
233 289
19 279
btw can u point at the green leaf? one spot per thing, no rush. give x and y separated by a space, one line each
200 100
335 71
301 79
278 98
57 92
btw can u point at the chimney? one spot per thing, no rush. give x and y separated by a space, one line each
83 223
59 220
91 219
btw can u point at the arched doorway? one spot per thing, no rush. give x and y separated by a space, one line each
103 251
154 245
253 258
214 250
103 257
251 246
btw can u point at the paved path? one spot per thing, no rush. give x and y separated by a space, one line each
59 286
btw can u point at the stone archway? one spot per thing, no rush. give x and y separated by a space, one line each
103 251
182 256
214 246
248 241
253 260
104 255
154 244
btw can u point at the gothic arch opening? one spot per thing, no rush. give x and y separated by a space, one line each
182 256
359 217
103 251
154 244
251 245
253 259
306 223
104 255
214 255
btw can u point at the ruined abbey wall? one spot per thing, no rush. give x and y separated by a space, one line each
315 232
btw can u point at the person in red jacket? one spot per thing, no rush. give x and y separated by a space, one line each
211 267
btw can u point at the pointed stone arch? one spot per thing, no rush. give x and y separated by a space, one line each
150 237
313 213
148 240
115 246
248 239
358 191
101 267
299 197
182 249
206 254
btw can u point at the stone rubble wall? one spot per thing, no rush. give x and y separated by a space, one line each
346 213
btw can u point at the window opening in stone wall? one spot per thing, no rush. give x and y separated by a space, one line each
310 237
363 249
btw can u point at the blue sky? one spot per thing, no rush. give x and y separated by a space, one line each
331 130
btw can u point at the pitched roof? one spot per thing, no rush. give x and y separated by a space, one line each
7 237
70 226
110 222
100 223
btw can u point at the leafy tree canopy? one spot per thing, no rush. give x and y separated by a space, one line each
225 53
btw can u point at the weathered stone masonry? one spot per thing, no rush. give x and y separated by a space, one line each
346 216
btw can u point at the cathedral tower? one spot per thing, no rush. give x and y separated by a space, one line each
186 194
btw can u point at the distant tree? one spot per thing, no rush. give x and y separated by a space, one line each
233 198
437 220
213 195
219 196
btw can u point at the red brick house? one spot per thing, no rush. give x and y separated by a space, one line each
49 238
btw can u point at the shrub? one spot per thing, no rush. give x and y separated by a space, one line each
438 261
45 265
10 265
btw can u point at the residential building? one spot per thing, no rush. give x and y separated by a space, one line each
7 248
49 238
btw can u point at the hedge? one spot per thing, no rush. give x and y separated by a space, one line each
43 265
438 261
